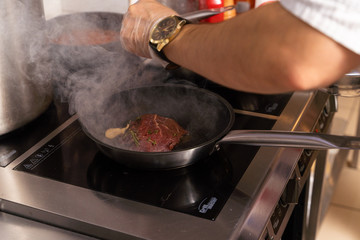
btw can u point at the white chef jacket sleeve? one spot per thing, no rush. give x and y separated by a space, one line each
338 19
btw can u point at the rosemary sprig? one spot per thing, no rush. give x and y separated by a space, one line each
151 141
152 131
135 138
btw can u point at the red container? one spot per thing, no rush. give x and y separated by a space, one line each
206 4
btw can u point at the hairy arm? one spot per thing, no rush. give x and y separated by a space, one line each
265 50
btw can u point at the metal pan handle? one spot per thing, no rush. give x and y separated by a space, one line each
347 86
271 138
205 13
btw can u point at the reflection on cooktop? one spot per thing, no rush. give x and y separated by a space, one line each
187 190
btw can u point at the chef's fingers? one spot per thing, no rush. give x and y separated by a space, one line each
137 23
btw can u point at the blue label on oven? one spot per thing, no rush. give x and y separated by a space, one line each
207 204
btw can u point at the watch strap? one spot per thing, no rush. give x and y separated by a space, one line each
170 65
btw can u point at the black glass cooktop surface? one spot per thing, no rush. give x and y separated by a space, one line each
15 143
258 103
200 190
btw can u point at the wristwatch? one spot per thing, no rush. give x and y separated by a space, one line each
163 33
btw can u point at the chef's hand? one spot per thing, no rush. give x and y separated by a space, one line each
137 23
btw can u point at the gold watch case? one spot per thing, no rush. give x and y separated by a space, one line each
165 31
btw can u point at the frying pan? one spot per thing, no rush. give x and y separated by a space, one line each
205 115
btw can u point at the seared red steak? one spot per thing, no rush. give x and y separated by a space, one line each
154 133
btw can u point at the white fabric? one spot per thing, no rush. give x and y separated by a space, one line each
338 19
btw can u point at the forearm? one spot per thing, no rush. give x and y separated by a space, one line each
266 50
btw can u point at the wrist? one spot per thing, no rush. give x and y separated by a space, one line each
164 32
174 51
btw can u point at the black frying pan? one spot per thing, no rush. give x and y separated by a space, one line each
206 116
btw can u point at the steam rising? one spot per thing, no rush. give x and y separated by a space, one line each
23 44
90 78
203 115
85 75
24 69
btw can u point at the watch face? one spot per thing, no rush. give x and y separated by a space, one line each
164 28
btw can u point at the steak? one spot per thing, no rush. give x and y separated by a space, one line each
154 133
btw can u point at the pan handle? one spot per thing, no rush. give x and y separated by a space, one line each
271 138
347 86
205 13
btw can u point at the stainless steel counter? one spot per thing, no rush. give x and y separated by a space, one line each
17 228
